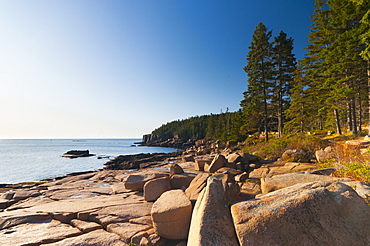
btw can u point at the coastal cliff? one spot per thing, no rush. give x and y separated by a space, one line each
163 140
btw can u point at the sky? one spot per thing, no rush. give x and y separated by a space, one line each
121 68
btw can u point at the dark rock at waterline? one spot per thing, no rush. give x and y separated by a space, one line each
77 153
140 161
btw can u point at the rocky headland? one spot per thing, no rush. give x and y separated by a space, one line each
206 195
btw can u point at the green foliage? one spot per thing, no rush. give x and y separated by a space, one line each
223 127
277 146
270 67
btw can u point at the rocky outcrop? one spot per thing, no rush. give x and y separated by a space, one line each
318 213
285 180
77 153
154 188
138 161
211 222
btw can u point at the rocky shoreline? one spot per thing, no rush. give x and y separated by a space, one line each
206 195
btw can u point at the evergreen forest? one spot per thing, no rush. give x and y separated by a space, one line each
327 89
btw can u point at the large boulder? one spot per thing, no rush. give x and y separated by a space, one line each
323 155
178 181
200 164
234 158
171 215
211 222
175 169
295 155
196 186
154 188
289 179
217 162
316 213
137 181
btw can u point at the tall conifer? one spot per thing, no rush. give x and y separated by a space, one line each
259 70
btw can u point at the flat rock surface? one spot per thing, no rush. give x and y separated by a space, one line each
76 210
37 233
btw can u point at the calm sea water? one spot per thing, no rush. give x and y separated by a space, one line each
35 159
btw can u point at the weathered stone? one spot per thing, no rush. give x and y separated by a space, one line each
94 238
136 239
289 179
228 170
234 158
241 177
249 190
196 186
137 181
24 194
85 226
171 215
13 218
294 155
211 222
121 213
37 233
232 192
217 162
317 213
200 164
145 220
64 217
187 158
325 171
175 169
361 189
155 187
145 242
288 167
127 230
178 181
323 155
157 240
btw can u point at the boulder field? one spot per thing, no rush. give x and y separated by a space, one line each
194 199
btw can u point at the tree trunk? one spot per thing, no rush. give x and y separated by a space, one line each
339 131
265 119
360 113
280 111
368 90
349 117
354 118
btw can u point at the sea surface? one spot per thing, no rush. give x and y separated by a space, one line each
28 160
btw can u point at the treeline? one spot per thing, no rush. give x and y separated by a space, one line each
327 89
223 127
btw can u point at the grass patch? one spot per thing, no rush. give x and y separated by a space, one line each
275 147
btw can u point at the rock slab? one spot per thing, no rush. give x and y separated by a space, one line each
316 213
211 222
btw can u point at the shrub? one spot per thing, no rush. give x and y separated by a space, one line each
277 146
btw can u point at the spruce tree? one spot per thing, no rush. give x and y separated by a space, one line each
259 70
285 65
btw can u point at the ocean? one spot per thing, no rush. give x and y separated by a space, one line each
28 160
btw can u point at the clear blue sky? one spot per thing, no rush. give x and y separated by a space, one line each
120 69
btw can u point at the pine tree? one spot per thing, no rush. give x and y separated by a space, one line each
259 70
285 65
